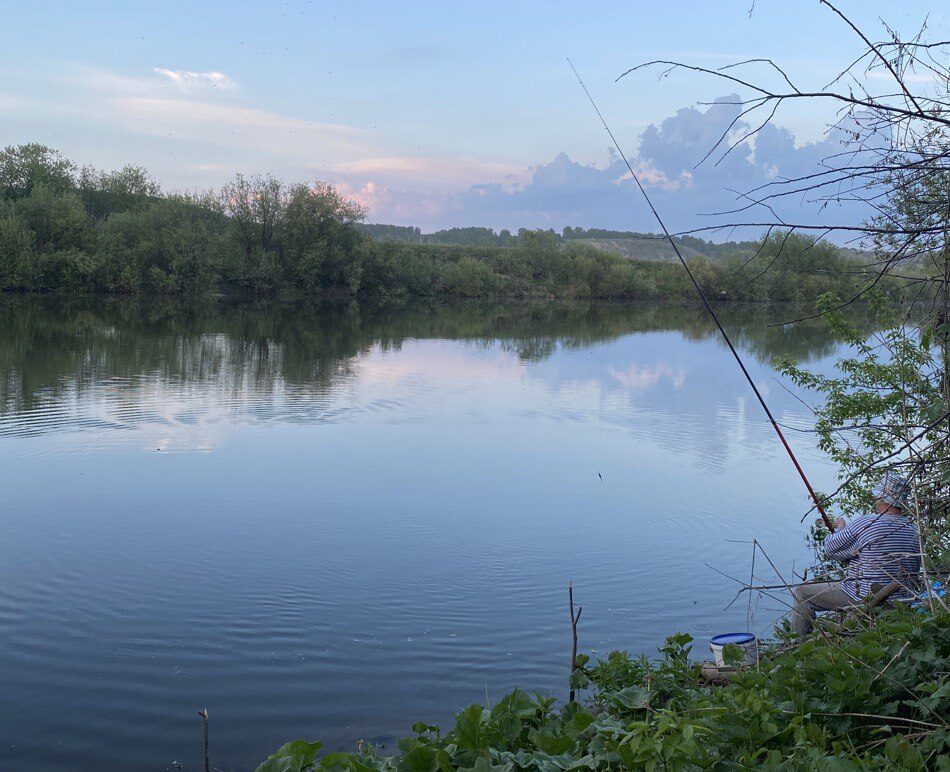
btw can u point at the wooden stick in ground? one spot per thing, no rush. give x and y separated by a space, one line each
204 720
575 618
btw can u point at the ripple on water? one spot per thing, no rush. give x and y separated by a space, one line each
274 581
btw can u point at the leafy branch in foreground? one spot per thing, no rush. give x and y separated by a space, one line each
885 409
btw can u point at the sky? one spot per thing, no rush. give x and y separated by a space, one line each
434 114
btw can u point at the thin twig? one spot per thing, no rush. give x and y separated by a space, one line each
575 618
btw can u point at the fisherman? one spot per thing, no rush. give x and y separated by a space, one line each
878 549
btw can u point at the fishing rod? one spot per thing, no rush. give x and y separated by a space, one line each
709 308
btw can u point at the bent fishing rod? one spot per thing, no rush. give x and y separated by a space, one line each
707 306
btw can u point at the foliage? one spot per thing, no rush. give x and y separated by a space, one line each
884 409
875 701
792 267
23 168
70 230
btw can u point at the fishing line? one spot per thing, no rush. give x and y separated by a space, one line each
709 309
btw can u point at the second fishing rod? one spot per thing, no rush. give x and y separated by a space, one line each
707 306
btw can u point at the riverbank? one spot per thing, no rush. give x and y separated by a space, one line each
876 698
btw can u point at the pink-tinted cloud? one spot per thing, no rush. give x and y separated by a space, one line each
564 192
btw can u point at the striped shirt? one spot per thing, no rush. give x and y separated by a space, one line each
879 549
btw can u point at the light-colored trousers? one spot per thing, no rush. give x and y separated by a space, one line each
811 598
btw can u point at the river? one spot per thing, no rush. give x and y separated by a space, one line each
332 521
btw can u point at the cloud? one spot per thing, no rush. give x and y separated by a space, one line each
210 123
237 126
687 192
390 204
647 376
197 128
187 80
429 170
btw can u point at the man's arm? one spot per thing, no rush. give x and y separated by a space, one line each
843 543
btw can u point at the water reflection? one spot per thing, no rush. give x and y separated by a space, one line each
262 361
332 521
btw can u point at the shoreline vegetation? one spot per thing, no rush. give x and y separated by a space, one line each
868 699
75 230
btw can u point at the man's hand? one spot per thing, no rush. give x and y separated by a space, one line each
838 523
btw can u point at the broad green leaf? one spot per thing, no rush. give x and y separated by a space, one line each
420 760
552 744
294 756
470 729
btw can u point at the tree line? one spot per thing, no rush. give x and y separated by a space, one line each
480 236
74 230
469 236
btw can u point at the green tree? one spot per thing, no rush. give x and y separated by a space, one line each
24 167
16 248
105 193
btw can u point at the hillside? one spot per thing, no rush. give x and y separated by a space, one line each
642 248
629 244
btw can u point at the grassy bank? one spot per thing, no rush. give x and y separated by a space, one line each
874 700
74 230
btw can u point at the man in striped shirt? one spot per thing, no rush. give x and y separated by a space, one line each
877 548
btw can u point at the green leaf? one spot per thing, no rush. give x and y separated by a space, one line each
633 697
294 756
733 655
578 723
546 741
337 762
516 704
470 729
275 765
579 680
510 714
483 765
420 760
421 727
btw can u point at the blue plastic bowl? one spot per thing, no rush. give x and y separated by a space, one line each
737 639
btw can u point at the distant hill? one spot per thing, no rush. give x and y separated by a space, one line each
629 244
636 246
654 246
408 234
643 248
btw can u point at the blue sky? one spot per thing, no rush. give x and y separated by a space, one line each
430 113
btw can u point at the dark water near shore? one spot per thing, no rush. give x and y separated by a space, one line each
332 522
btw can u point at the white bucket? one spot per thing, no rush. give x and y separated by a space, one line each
745 641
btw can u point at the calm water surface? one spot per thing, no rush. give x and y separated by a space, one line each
329 523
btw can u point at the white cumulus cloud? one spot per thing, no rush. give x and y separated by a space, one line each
188 80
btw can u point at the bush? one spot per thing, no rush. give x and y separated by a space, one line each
469 278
